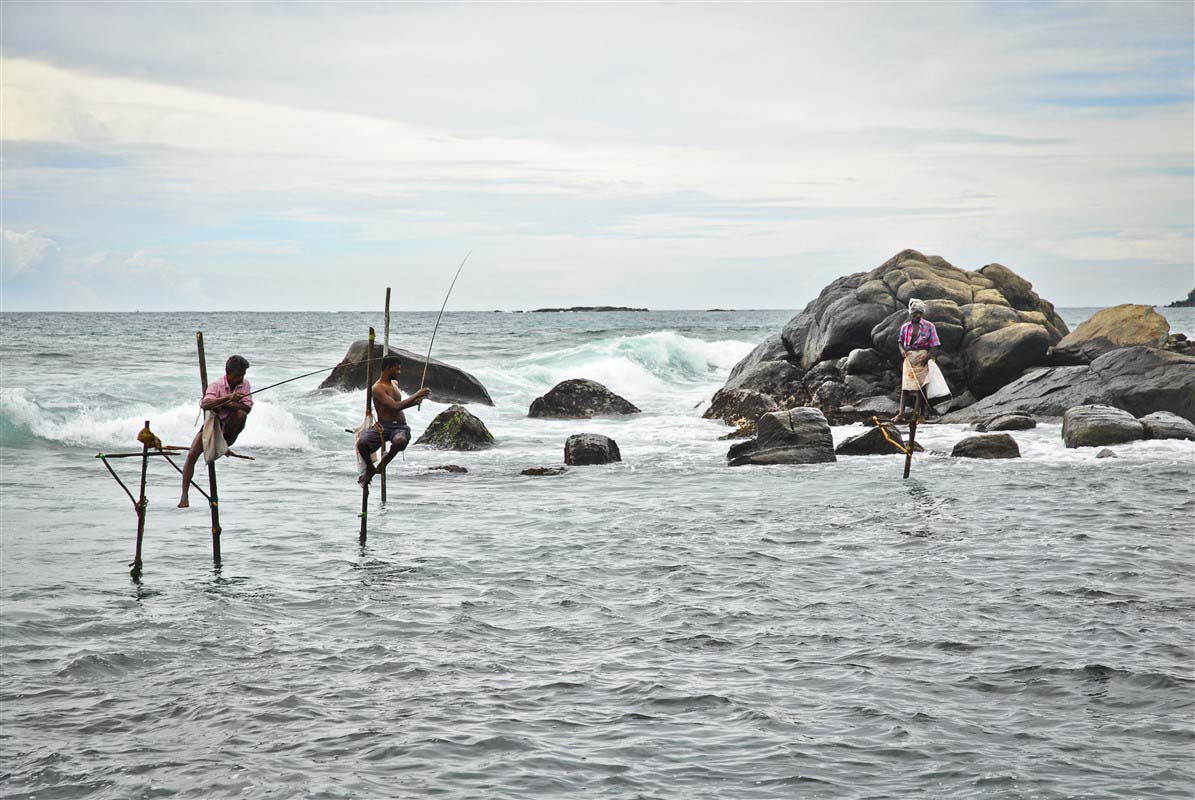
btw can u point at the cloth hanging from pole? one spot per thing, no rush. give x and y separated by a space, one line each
214 445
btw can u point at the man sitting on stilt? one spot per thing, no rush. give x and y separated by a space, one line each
392 423
227 398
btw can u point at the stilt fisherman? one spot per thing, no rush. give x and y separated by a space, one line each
226 406
917 340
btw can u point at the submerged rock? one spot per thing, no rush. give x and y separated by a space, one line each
987 445
872 442
1105 453
741 407
448 468
582 449
795 436
1091 426
1005 422
579 398
541 471
455 428
1164 425
449 384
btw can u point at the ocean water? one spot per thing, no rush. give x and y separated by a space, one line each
664 627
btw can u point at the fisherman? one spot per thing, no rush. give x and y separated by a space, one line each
228 399
918 338
392 423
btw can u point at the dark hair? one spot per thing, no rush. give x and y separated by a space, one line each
236 364
391 361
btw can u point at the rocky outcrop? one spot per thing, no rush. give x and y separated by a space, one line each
449 384
579 398
1005 422
539 472
582 449
1111 329
740 407
455 428
1188 303
795 436
872 442
987 445
1092 426
1140 380
453 468
1164 425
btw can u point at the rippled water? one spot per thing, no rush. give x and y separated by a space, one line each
664 627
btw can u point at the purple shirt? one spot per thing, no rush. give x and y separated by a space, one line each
220 388
921 336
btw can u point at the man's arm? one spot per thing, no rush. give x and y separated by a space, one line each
386 398
414 399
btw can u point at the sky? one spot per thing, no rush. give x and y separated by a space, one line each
304 156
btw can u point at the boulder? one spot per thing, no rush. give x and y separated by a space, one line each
1105 453
881 406
866 361
579 398
1005 422
872 442
739 406
987 445
582 449
779 379
1042 393
542 471
1091 426
1164 425
770 349
1143 380
795 436
455 428
994 359
449 384
454 468
1110 329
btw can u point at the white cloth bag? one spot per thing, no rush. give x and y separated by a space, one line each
936 386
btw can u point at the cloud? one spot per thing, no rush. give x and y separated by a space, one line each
27 252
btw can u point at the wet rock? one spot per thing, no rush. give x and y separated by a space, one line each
448 468
1006 422
455 428
582 449
1164 425
739 406
1142 380
872 442
987 445
795 436
449 384
1110 329
1041 393
541 471
830 394
1105 453
780 380
579 398
1091 426
999 357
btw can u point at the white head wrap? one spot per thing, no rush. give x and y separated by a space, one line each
916 305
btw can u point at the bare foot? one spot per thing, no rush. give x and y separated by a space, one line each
184 502
367 476
898 419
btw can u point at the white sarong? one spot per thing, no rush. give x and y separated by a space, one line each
214 445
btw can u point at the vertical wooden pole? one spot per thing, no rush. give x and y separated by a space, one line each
214 497
385 352
368 411
135 572
912 441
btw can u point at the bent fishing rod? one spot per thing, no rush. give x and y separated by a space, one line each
426 361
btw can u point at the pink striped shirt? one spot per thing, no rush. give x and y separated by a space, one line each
220 388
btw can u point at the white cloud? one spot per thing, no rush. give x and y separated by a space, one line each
26 252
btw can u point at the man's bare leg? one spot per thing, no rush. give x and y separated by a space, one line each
234 427
397 445
189 469
366 456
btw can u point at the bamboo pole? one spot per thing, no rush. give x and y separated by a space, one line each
368 411
385 352
912 435
213 495
141 504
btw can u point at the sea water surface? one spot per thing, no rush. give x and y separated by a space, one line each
663 627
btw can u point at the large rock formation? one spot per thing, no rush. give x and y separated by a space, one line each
1111 329
1140 380
842 347
579 398
1091 426
449 384
454 428
796 436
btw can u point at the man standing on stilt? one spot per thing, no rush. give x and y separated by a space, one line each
918 337
228 399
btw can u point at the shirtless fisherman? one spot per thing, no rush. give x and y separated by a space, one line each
392 423
228 397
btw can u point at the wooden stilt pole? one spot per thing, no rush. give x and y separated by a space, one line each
141 505
368 411
385 352
912 435
213 495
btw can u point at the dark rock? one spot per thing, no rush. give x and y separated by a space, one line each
987 445
540 471
583 308
795 436
997 358
579 398
1110 329
1178 343
867 361
448 384
956 403
1188 303
455 428
881 406
582 449
448 468
744 431
872 442
1164 425
1142 380
778 379
830 394
739 406
770 349
1105 453
1042 393
1006 422
1091 426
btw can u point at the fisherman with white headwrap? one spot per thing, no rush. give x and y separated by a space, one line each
917 338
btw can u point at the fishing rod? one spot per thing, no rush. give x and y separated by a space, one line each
443 305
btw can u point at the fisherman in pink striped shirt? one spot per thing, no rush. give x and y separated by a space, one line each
228 398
